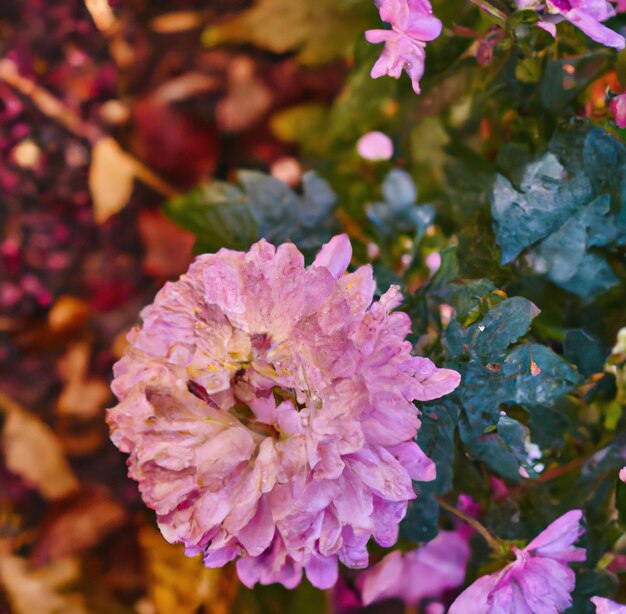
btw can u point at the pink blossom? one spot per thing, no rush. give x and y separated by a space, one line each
433 262
267 409
618 108
584 14
539 580
419 574
606 606
412 26
375 146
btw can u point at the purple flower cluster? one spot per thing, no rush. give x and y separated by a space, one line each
268 412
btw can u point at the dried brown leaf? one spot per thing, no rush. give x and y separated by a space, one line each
40 590
32 451
111 176
167 246
79 525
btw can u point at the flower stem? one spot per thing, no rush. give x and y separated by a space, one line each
491 539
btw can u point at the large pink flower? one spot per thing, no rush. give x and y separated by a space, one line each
539 581
268 412
412 26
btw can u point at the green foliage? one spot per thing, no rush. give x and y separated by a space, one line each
320 31
565 210
223 215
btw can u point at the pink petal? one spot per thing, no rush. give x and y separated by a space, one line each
335 255
556 540
375 146
420 467
322 571
618 108
257 535
594 29
606 606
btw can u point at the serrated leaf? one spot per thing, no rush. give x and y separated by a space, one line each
503 325
273 204
565 253
218 214
501 448
545 202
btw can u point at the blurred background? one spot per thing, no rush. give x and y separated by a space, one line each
107 110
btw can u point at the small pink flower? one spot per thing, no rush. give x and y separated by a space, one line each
606 606
585 15
375 146
433 262
419 574
412 26
539 580
267 409
618 108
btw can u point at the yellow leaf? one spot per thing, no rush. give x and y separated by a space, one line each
181 584
111 177
32 451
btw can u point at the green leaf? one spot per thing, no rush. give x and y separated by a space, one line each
560 87
543 203
436 439
502 326
304 599
589 583
536 374
399 213
222 215
319 31
565 254
620 501
421 523
273 204
399 189
218 214
501 448
585 351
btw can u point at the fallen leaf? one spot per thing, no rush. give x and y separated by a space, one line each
179 21
167 246
80 524
247 100
32 451
67 313
82 396
40 590
111 177
181 584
